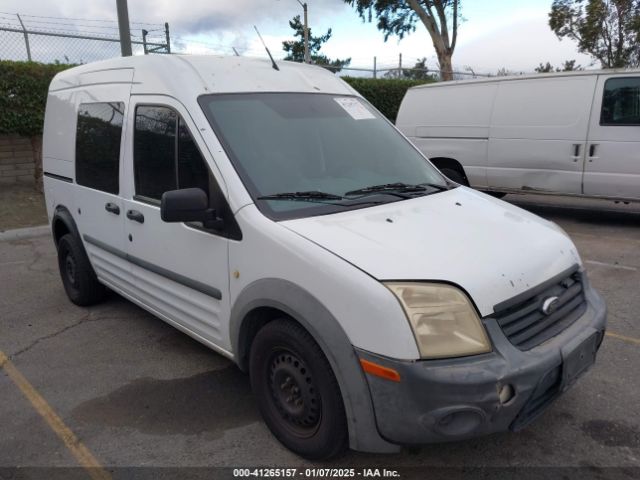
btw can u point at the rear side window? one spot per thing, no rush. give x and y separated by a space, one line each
621 102
98 136
165 156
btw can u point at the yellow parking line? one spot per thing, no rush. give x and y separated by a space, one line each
75 446
623 337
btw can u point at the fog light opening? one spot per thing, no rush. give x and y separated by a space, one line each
506 393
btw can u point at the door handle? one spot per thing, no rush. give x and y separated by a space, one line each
592 151
135 215
576 152
112 208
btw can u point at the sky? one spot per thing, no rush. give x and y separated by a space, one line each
495 34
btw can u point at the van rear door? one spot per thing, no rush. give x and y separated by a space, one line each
538 134
612 168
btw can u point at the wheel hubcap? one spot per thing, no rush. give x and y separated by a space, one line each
294 393
70 268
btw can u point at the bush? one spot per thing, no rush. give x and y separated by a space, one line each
23 95
24 85
385 94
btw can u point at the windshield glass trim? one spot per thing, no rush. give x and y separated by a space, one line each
311 209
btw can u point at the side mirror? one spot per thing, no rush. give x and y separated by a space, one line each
188 205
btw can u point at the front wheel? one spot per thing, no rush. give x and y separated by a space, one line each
297 392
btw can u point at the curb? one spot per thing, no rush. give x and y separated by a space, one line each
23 233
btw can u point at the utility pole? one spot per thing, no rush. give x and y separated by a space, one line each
375 67
167 37
123 25
307 58
399 65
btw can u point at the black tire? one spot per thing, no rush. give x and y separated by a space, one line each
77 275
454 175
297 392
496 194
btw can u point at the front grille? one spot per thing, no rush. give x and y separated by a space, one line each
526 325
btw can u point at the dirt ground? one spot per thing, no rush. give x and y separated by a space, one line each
21 206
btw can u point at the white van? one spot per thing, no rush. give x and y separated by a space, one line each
279 219
575 133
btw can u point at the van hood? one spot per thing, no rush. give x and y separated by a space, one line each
490 248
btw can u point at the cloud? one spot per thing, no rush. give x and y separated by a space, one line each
192 16
493 37
521 45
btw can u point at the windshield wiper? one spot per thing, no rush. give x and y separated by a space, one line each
397 189
308 196
318 197
441 188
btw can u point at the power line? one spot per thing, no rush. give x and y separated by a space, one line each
78 19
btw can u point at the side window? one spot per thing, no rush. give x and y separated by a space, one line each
621 102
98 136
165 157
192 171
154 151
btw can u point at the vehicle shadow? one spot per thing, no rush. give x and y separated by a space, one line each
583 214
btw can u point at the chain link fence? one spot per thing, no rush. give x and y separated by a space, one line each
75 41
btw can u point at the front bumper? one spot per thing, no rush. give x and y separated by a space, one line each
454 399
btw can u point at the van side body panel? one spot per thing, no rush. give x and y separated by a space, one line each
537 127
447 126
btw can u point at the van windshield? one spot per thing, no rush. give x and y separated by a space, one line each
305 154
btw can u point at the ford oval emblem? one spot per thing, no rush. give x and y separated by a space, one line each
549 305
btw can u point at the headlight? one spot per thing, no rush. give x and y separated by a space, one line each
443 319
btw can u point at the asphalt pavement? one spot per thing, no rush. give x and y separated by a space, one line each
106 388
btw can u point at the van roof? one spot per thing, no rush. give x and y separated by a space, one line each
176 74
619 71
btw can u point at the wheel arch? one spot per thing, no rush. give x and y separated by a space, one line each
62 223
268 299
452 163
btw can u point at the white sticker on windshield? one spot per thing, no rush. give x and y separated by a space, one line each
354 108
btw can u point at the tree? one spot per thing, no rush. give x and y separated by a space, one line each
505 72
420 71
544 68
399 17
567 66
608 30
295 48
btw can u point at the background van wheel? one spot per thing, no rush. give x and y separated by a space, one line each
77 275
454 175
496 194
297 392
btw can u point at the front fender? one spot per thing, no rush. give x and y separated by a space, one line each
327 332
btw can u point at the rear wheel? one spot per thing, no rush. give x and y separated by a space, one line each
296 391
77 275
455 175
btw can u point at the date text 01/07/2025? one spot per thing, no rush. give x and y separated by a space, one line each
315 473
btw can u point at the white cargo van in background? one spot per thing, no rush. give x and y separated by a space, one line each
571 133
